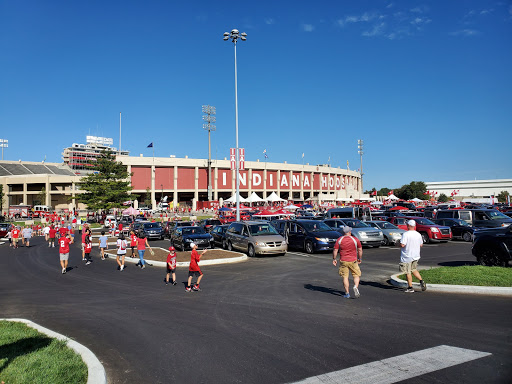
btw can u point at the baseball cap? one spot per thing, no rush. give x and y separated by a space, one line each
411 223
171 248
347 229
192 245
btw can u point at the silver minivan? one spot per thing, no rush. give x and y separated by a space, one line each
255 238
480 218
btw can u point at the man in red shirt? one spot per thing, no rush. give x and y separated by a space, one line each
351 252
193 269
15 234
64 251
51 236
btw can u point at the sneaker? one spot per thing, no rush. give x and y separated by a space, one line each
102 258
122 267
188 289
63 270
356 292
346 295
166 282
53 245
409 290
423 285
143 267
196 288
174 283
83 259
88 262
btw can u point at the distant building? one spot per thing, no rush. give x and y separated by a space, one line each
471 190
80 157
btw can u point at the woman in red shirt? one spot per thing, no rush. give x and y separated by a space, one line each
142 243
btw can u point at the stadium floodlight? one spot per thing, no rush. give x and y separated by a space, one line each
4 144
209 118
360 152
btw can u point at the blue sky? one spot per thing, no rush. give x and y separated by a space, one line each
426 85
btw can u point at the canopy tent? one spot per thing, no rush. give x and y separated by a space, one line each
393 197
416 200
283 212
225 209
291 206
376 203
131 212
398 208
232 199
254 198
273 197
345 199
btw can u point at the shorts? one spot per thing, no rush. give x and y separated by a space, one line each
408 267
83 246
169 270
14 240
121 254
103 248
346 266
195 273
64 256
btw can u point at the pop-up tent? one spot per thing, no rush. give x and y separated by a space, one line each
254 198
130 212
273 197
232 199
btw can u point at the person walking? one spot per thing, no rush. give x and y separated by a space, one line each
46 232
411 244
351 253
103 244
133 242
193 269
52 233
27 235
86 227
171 266
142 243
88 246
64 251
15 234
122 244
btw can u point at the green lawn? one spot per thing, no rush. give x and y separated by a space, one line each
27 356
467 275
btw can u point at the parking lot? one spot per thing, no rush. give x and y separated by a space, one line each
269 319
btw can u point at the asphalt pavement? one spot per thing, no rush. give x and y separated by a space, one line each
266 320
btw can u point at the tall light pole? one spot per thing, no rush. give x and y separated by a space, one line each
210 119
234 35
4 144
360 151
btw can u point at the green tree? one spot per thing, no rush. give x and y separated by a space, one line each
502 196
415 189
147 197
107 187
42 196
370 191
443 198
383 192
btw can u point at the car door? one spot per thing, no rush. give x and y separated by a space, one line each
292 235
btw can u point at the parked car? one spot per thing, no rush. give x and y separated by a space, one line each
307 235
208 224
493 246
391 233
184 236
4 228
400 222
152 230
460 229
481 218
431 232
219 235
255 238
341 213
366 234
170 226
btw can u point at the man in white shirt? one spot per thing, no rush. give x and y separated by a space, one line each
46 232
411 243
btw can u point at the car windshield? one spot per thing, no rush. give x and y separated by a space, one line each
386 225
262 229
461 223
496 215
423 221
151 225
316 227
193 231
355 224
213 222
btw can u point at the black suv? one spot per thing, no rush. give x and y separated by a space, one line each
309 235
493 246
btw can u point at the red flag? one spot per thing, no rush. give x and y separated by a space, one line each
374 193
390 193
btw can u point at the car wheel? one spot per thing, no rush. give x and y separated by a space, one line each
309 247
250 251
385 241
491 257
224 245
425 238
467 237
230 246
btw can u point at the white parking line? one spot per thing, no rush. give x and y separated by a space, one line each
399 368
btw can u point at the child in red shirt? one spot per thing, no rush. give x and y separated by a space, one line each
171 266
193 269
133 242
88 246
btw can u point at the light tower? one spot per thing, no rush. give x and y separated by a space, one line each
360 151
4 144
234 35
209 118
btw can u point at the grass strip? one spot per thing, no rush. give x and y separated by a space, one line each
27 356
467 275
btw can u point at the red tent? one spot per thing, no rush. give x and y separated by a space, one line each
283 212
266 213
398 208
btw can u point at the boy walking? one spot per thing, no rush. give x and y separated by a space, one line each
171 266
193 269
103 244
52 233
411 244
64 251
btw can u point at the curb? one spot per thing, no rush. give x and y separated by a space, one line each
95 372
187 263
471 289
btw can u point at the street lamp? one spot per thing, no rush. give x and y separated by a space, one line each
209 118
4 144
234 35
360 151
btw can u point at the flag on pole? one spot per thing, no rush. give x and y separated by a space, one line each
265 153
150 145
302 154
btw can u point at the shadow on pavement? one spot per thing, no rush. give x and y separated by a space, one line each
317 288
379 285
457 263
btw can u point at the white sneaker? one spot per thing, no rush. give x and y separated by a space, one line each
356 292
63 270
122 267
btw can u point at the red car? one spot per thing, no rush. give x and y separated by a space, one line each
429 231
4 228
399 221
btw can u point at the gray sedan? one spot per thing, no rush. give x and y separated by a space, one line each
392 234
366 234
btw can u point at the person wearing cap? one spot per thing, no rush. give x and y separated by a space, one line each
351 253
171 266
193 269
411 244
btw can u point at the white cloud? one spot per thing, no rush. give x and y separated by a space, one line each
308 27
420 9
390 5
378 29
269 21
364 18
466 32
